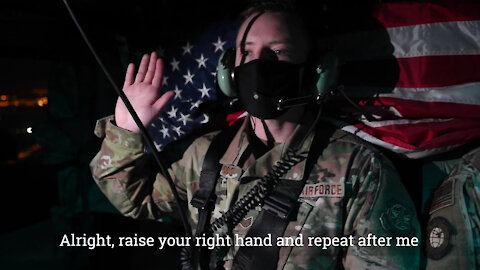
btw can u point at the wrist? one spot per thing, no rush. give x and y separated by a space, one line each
125 123
132 127
120 137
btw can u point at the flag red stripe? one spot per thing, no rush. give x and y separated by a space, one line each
423 109
424 136
402 14
438 71
446 65
233 117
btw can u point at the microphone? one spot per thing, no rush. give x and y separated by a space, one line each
283 104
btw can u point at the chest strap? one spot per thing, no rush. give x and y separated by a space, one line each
204 199
279 209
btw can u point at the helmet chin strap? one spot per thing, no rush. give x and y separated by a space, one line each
244 37
268 133
270 139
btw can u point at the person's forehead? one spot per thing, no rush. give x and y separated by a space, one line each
277 27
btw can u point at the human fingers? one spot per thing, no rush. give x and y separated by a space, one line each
158 76
142 69
162 101
151 68
129 75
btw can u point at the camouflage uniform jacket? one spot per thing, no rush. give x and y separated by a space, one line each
352 190
453 230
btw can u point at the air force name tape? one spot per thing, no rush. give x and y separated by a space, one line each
323 190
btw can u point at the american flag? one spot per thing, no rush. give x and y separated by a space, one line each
190 71
432 106
434 103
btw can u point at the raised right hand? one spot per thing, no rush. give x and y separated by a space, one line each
143 93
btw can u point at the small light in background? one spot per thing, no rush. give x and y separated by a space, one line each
29 130
3 97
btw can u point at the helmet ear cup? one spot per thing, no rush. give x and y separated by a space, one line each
225 73
327 73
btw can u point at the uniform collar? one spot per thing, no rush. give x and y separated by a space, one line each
266 162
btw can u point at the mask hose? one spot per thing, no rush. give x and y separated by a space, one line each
143 130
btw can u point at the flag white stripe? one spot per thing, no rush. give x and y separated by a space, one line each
432 39
468 93
386 123
464 93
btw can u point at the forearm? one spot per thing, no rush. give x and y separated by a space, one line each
127 177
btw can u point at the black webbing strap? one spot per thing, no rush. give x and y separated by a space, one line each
277 212
204 198
273 220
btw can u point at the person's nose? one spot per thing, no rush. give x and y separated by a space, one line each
267 54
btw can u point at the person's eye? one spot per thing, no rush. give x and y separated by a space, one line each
245 53
278 51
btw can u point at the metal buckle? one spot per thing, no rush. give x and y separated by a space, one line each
279 205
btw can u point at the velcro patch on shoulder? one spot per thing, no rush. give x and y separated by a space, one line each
439 232
323 190
443 196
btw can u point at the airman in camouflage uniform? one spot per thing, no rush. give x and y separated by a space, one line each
352 190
